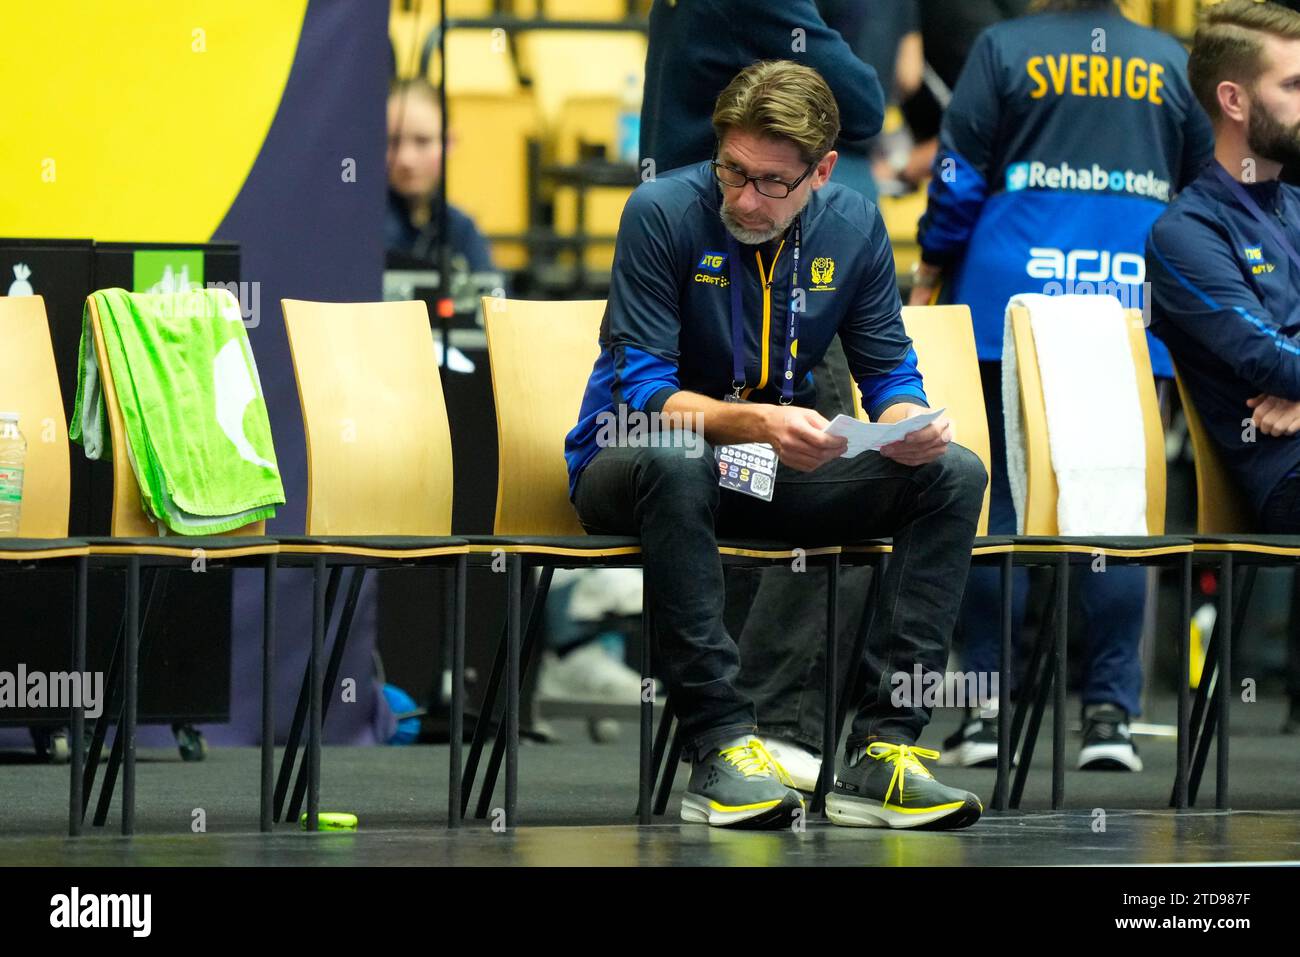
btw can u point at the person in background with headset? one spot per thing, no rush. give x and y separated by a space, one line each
1069 131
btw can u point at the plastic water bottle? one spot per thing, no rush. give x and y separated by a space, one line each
629 121
13 452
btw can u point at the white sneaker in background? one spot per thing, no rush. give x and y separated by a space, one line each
797 767
588 673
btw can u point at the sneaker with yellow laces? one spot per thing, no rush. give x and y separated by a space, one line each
886 785
738 785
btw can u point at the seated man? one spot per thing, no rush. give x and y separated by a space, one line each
1223 266
730 280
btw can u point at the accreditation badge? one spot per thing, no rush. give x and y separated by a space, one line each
749 468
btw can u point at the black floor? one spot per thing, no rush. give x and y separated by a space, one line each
577 801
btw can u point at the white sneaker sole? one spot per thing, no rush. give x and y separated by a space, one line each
1109 757
971 754
767 815
861 812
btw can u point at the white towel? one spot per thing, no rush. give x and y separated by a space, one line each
1094 414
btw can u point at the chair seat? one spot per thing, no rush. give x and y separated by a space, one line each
374 546
41 549
588 542
1131 546
1282 546
183 546
600 546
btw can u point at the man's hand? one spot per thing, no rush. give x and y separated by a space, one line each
799 437
1274 416
922 446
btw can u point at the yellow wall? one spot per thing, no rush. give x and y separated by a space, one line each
136 120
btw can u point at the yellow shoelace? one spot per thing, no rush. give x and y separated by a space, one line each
750 759
905 758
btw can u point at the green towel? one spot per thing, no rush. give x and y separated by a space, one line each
198 437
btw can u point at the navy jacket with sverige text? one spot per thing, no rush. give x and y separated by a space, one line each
1067 135
667 323
1226 301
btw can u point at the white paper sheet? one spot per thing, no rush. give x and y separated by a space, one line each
870 436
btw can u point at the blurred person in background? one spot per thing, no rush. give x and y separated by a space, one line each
415 182
887 35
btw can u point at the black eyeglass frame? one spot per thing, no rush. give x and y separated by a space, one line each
715 165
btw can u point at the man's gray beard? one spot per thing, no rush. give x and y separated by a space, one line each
754 237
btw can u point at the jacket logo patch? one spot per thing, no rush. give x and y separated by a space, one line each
1255 258
712 262
823 274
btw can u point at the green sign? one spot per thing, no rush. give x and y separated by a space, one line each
167 270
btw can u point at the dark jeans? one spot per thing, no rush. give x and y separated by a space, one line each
673 502
1281 516
782 644
1111 601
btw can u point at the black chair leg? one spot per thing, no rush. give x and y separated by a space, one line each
670 772
645 782
1209 711
1179 797
481 727
830 729
1058 707
296 728
265 820
77 720
130 652
1005 752
1041 685
131 693
515 583
314 720
457 724
1225 678
1203 742
523 663
848 691
341 635
1034 678
661 745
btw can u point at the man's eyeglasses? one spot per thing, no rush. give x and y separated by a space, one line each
771 188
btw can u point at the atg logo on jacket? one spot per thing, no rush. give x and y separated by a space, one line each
1255 258
709 269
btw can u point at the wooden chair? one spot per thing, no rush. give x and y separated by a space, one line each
379 491
1042 545
944 340
1227 536
29 385
134 543
541 355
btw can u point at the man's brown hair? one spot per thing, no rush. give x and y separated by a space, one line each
782 100
1229 45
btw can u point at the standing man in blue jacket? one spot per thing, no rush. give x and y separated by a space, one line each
1068 133
731 278
1224 267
